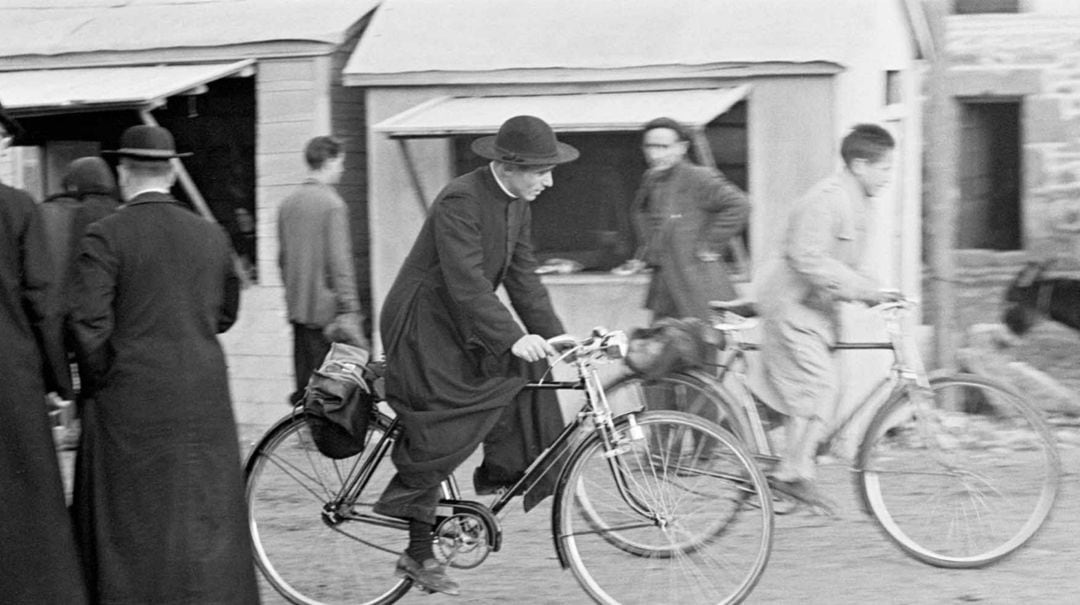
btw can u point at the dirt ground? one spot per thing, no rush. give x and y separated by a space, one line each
844 560
816 560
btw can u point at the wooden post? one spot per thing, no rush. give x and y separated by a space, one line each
414 175
943 194
199 202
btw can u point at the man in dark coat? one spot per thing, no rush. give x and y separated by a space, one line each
89 194
685 216
38 558
455 353
159 504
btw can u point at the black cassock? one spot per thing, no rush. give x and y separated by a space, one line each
159 502
450 375
38 559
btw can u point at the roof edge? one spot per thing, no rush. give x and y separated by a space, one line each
558 75
196 54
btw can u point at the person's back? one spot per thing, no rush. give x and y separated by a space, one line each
316 262
305 222
159 498
169 297
90 194
36 542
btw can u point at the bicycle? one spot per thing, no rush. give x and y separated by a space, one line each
958 470
648 507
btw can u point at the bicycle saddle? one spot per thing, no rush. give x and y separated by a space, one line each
743 307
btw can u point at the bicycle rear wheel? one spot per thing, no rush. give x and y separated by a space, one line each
310 539
692 523
962 480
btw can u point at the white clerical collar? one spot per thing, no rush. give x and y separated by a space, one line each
500 183
148 190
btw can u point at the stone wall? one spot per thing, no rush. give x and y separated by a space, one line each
1033 57
1037 57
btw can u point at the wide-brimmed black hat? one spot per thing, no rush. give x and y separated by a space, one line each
144 142
526 141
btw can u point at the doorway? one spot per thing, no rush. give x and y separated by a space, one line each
989 214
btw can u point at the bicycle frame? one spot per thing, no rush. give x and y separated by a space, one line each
595 410
907 373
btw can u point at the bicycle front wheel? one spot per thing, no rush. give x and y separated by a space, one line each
960 479
310 519
677 513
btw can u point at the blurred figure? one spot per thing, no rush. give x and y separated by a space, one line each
158 503
89 194
244 240
316 263
821 266
685 217
37 546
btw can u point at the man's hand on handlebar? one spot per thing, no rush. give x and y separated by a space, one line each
532 347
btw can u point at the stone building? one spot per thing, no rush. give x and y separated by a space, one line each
1012 76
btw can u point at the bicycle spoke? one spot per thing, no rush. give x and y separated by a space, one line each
933 474
701 544
303 531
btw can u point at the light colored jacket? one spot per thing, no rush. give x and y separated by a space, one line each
824 249
315 255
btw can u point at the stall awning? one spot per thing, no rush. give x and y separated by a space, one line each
585 112
53 91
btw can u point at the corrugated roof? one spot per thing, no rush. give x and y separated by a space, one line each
587 112
38 92
433 36
53 27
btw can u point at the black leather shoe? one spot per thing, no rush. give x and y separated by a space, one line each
484 486
805 492
430 575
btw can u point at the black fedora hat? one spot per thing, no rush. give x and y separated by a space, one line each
145 142
526 141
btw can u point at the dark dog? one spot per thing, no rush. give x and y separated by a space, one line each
1032 298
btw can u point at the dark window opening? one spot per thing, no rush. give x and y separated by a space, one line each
219 127
894 91
975 7
990 176
585 216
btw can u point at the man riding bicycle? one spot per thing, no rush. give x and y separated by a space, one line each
821 266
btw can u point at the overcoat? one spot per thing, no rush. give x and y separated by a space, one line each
446 333
38 562
822 263
158 501
90 196
684 211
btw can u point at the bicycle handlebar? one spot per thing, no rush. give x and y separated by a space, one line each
601 344
901 304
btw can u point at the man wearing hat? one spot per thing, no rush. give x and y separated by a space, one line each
456 356
37 545
158 500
